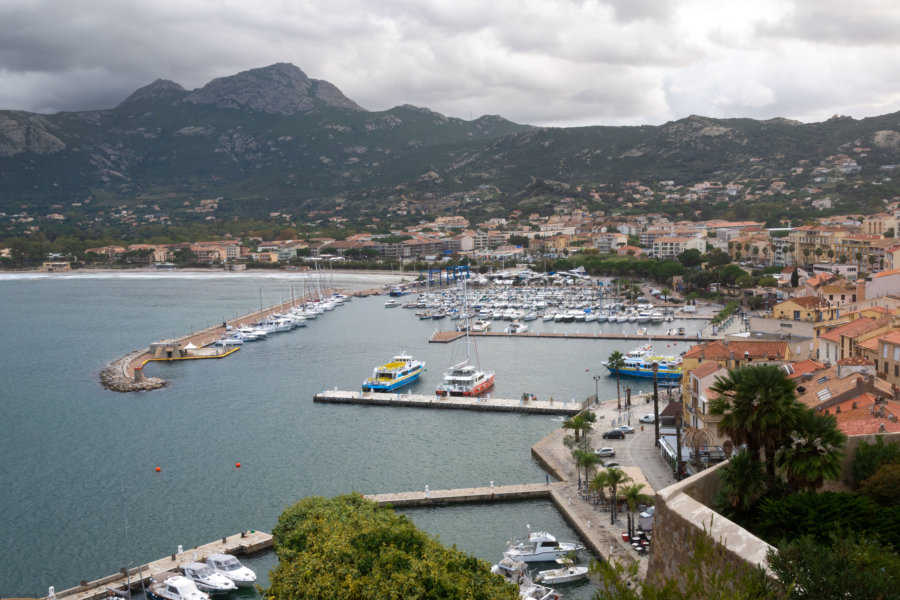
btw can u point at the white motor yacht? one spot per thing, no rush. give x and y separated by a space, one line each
177 587
541 546
232 568
206 578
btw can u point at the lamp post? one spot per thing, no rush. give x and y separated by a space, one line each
655 367
596 389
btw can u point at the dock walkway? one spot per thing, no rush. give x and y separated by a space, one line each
487 404
247 542
443 337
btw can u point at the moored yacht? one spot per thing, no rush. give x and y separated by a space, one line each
402 370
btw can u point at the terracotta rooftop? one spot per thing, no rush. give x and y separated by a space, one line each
891 338
805 301
705 369
805 366
886 273
853 329
860 415
819 279
755 349
855 361
869 344
824 385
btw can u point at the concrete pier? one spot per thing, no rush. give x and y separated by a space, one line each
487 404
443 337
247 542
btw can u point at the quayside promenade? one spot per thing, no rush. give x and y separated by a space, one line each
243 543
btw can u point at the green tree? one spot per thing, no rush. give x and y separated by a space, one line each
871 457
587 460
615 477
696 438
882 486
758 408
814 452
851 567
690 258
795 278
742 484
348 548
633 496
616 361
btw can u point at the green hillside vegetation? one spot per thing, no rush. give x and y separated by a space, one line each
346 548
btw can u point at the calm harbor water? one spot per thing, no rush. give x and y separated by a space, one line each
70 447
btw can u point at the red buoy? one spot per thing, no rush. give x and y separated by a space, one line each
238 465
158 469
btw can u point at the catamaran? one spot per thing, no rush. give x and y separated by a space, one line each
465 379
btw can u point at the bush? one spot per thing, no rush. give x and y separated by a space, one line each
870 457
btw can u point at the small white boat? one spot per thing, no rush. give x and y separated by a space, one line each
516 327
232 568
177 587
391 304
206 578
541 546
516 572
566 573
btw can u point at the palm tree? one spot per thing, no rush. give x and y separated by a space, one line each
791 248
600 482
806 252
587 460
633 495
831 255
819 251
696 439
572 424
581 424
614 478
665 293
741 482
758 408
616 361
814 452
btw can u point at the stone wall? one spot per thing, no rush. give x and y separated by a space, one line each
684 509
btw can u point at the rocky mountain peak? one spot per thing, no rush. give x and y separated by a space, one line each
281 88
161 89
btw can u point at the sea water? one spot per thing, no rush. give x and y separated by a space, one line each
79 489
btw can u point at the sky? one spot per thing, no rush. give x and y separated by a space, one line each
542 62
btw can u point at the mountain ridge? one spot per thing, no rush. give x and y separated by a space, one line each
275 137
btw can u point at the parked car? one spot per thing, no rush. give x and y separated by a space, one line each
648 418
649 512
625 428
610 465
614 434
605 452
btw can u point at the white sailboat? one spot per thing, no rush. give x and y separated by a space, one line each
464 379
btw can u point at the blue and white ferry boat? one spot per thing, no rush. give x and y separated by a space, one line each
638 363
402 370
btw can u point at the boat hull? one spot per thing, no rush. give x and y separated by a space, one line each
479 389
645 373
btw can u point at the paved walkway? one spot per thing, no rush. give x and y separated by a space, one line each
637 456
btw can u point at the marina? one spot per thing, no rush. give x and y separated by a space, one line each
266 391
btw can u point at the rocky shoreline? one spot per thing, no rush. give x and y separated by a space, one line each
113 376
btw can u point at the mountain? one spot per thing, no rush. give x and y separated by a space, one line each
274 139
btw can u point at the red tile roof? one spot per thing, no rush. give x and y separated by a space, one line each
705 369
865 417
805 366
853 329
755 349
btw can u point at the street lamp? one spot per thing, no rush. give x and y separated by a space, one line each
655 367
596 389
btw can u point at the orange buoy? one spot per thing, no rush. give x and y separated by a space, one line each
238 465
158 469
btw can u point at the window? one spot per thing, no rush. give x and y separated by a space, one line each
884 351
896 370
896 353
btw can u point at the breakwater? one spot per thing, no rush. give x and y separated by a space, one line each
125 374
